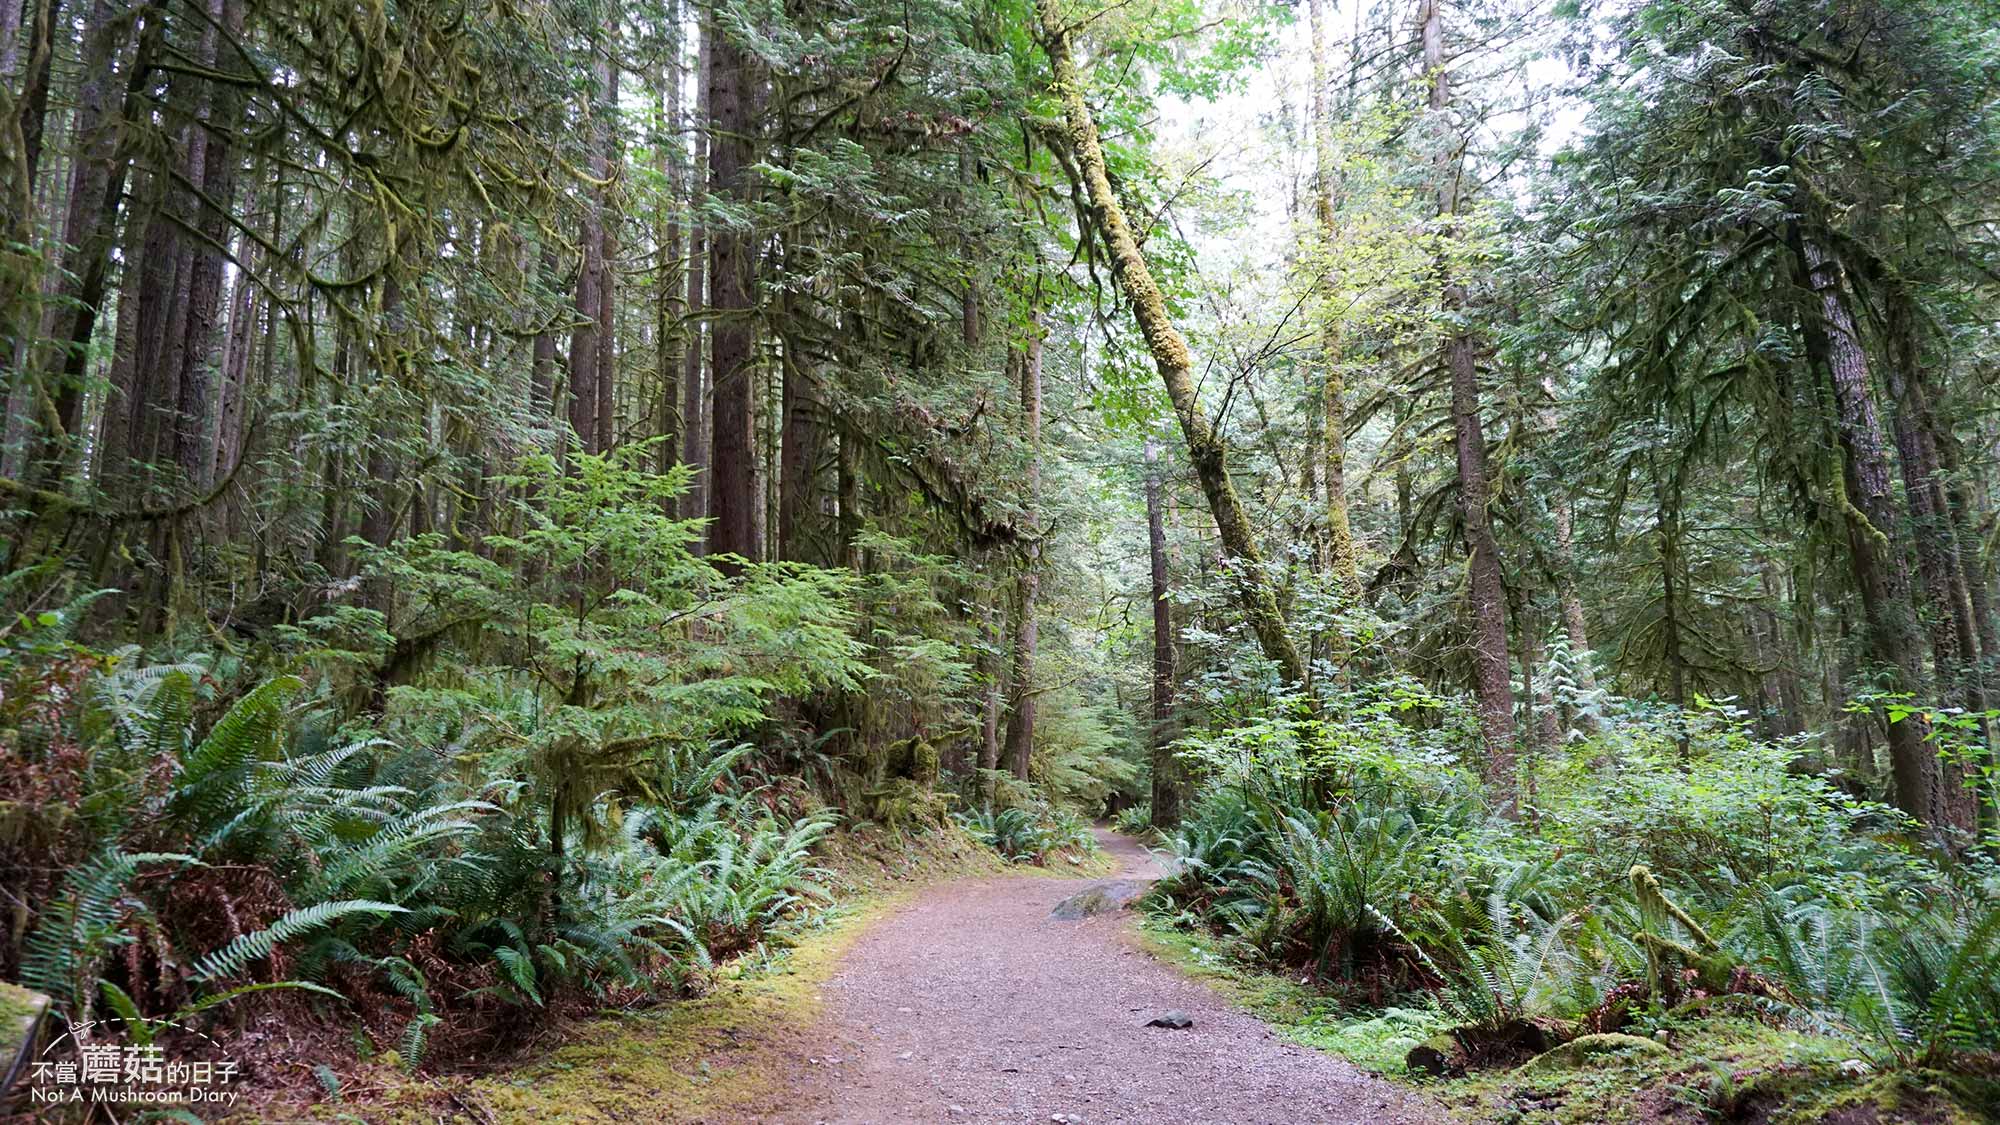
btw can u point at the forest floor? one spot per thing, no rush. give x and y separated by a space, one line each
946 993
971 1003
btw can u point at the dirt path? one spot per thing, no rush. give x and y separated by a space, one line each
972 1004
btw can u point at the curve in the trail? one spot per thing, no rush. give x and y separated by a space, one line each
973 1005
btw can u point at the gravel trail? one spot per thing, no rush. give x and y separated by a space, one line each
973 1005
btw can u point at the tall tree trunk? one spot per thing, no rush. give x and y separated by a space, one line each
1340 550
1891 633
1206 451
670 329
585 353
1021 715
734 498
97 181
1167 781
605 435
1953 633
199 357
1486 585
694 383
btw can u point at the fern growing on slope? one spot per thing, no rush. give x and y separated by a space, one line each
85 922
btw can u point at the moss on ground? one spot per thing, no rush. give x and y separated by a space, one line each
724 1057
19 1011
1721 1066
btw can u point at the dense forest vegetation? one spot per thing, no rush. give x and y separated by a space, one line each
1505 491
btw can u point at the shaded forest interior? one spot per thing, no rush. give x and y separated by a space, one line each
1504 492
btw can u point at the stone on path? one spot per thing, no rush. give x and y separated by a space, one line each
1101 897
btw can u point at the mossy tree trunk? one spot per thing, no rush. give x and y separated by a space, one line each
1206 451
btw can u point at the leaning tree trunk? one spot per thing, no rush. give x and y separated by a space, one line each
1206 450
1953 635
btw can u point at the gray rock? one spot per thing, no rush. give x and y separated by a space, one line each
1101 897
1175 1019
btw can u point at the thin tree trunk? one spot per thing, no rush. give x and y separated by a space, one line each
1021 715
613 149
1486 585
542 376
694 388
670 328
1575 627
1340 550
1167 781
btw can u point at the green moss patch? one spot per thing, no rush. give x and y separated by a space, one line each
1711 1067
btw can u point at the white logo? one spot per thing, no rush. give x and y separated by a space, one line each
137 1073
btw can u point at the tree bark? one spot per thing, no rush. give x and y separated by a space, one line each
1167 780
1206 451
586 353
799 452
1341 557
1486 584
1875 557
214 134
694 380
733 498
610 168
1021 715
670 329
1953 634
90 224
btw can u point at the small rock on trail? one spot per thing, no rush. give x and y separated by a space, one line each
1102 897
1175 1018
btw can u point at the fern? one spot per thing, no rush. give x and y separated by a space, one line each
416 1036
215 772
520 970
84 922
233 958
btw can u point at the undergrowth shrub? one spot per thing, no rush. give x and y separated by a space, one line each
1662 859
1030 834
472 797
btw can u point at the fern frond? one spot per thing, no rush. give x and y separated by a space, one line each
234 957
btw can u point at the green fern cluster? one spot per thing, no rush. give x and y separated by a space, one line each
1029 833
1387 878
